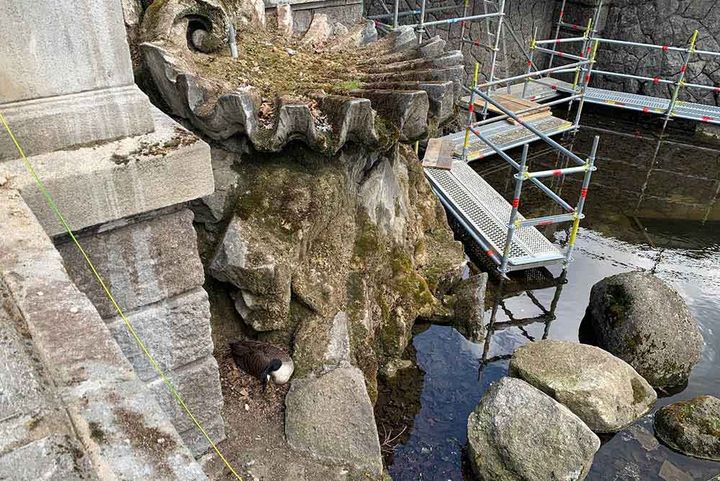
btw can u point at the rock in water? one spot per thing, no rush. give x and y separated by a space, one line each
518 433
331 418
691 427
602 390
644 322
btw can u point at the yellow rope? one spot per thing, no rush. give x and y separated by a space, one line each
51 203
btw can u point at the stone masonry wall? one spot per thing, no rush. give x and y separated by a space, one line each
657 22
152 267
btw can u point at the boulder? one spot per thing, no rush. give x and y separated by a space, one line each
602 390
691 427
644 322
331 418
285 20
259 272
519 433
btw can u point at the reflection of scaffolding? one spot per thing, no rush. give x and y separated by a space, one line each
546 317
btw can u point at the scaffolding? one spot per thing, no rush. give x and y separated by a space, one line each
509 239
494 127
493 15
585 167
668 108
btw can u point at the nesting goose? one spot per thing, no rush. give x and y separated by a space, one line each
262 360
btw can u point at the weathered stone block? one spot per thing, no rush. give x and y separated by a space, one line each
176 331
646 323
53 458
602 390
199 386
67 47
102 183
111 411
197 443
141 263
518 433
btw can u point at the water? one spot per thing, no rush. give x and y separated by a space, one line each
671 191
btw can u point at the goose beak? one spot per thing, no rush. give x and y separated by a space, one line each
265 382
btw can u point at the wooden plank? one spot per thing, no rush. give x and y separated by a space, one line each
514 104
532 116
439 154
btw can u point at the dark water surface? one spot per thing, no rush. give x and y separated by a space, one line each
670 190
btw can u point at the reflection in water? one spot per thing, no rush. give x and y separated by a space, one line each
652 206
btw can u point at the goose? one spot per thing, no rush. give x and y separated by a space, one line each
262 360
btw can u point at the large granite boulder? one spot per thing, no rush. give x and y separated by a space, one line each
691 427
644 322
602 390
331 418
519 433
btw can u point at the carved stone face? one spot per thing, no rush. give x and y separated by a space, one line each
331 85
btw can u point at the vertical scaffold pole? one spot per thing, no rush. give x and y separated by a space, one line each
496 48
589 167
681 81
533 45
585 82
471 114
421 27
586 52
557 31
519 178
466 5
396 14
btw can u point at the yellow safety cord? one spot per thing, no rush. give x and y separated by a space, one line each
51 203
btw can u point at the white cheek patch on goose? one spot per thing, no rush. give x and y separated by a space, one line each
282 375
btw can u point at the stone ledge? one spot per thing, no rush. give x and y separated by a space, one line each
48 124
97 184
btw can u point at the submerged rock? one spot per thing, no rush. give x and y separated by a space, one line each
691 427
331 418
519 433
602 390
641 320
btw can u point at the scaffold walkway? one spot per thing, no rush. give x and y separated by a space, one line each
641 103
485 214
504 136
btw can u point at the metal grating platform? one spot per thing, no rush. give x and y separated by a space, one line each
487 213
642 103
505 136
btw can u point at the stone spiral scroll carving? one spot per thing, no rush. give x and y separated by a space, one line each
329 86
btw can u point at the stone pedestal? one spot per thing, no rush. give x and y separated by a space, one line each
119 170
66 76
